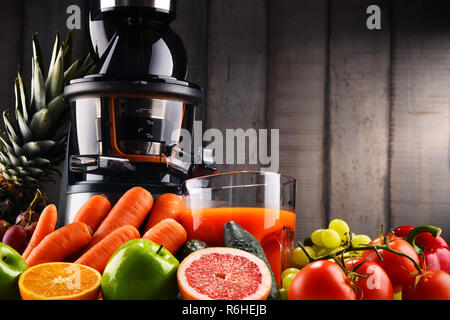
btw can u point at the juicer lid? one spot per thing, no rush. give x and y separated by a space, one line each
168 6
105 85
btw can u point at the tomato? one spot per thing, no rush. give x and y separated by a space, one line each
431 285
321 280
375 283
398 268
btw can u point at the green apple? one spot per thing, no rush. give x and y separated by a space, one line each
140 270
11 267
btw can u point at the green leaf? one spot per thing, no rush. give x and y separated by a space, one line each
27 135
17 149
55 82
36 148
21 97
35 162
41 124
14 160
37 87
37 52
5 143
68 49
57 107
5 158
72 72
55 53
35 172
31 180
11 128
6 176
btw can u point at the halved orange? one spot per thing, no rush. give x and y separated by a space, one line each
59 281
223 274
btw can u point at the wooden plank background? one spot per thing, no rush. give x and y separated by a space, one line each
364 115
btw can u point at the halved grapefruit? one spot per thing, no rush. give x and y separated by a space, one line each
223 274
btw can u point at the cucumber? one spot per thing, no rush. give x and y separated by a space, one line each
189 247
237 237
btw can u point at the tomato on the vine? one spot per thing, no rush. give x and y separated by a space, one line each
430 285
399 269
321 280
371 282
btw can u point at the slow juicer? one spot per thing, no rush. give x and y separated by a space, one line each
127 116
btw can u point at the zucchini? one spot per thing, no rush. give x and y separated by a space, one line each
189 247
237 237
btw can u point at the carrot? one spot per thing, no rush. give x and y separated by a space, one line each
168 205
60 244
46 225
94 211
132 208
168 233
98 256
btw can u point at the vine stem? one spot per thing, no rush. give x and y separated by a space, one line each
362 248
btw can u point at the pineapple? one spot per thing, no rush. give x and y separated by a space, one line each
34 142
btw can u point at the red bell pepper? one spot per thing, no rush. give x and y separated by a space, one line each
424 239
433 251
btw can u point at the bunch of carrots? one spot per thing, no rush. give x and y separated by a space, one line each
99 229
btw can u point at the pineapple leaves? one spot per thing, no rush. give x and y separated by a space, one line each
10 128
55 52
33 144
37 87
41 124
21 97
55 82
24 129
35 148
37 52
68 49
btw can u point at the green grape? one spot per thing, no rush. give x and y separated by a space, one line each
331 239
327 251
341 227
287 280
283 293
289 270
360 240
324 252
317 249
299 257
316 237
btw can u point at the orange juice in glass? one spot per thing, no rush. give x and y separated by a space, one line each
263 203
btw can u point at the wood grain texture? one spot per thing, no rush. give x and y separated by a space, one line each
237 57
359 116
420 169
296 81
11 52
191 25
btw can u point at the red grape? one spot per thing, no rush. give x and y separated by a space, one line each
16 237
30 230
27 217
4 225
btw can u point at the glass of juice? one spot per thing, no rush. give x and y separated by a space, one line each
263 203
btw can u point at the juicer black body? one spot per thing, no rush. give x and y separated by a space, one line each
124 115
